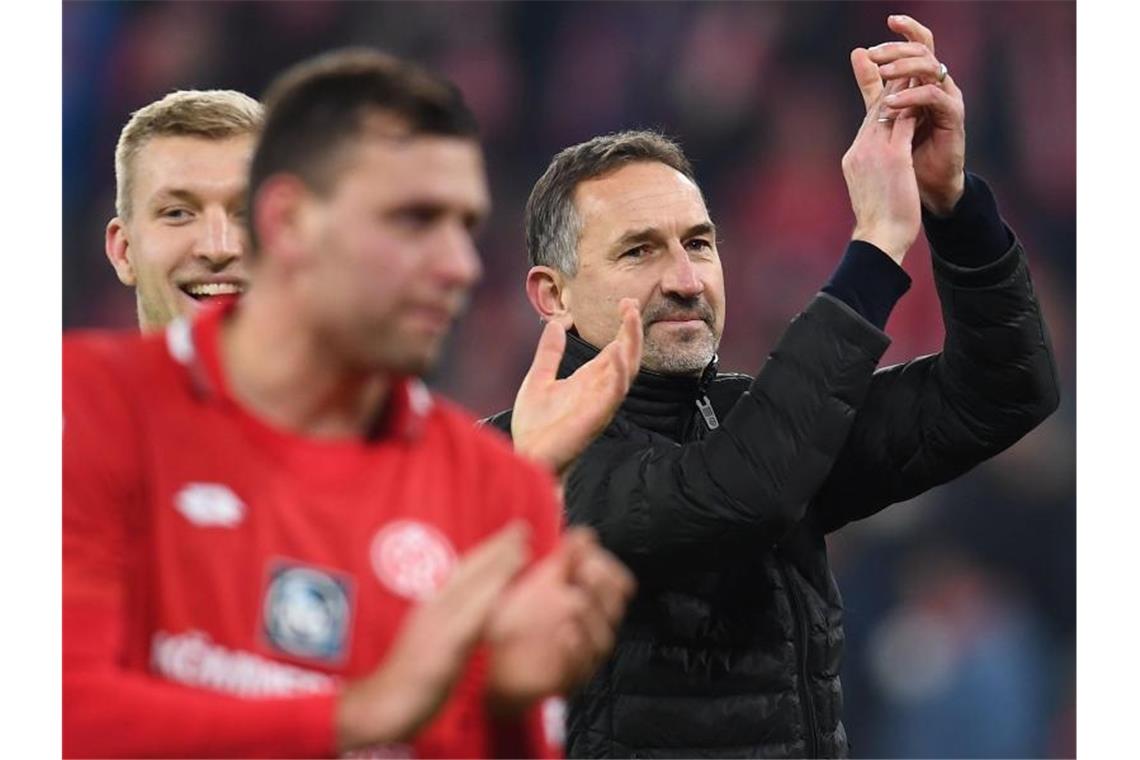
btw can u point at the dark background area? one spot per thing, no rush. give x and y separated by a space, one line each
961 604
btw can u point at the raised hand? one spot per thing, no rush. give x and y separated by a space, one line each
432 649
940 136
555 625
879 171
555 420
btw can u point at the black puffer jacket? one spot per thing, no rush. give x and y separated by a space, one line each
732 645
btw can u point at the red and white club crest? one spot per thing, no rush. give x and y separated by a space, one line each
412 558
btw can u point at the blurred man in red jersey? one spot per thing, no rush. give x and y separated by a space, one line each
277 541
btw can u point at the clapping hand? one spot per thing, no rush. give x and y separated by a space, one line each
927 90
555 420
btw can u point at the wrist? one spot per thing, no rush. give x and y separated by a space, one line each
510 687
369 713
550 457
501 703
942 202
888 241
537 455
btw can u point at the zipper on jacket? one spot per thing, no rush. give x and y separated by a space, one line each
707 412
801 636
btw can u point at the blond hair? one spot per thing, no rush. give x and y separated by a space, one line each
213 114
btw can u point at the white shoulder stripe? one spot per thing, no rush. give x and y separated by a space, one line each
179 341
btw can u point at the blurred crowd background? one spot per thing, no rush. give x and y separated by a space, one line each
961 604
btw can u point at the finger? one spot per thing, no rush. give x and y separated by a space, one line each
548 354
885 52
574 642
625 349
578 541
912 30
561 564
944 107
925 68
607 581
505 547
632 336
470 594
880 116
866 76
891 115
611 381
599 632
585 635
903 133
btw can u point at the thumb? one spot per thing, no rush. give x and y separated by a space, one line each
575 545
866 76
548 354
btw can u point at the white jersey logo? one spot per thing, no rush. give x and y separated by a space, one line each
210 504
412 558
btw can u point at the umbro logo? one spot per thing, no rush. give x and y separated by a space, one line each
210 504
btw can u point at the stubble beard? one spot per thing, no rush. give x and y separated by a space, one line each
685 355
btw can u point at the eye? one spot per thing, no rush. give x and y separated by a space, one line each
417 217
698 244
635 253
175 214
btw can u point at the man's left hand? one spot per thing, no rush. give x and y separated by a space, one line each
555 420
940 138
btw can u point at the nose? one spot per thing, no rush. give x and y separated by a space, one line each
222 240
458 263
681 276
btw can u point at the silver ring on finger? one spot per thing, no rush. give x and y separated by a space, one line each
942 72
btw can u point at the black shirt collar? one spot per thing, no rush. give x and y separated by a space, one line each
662 403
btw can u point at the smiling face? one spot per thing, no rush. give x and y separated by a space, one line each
645 233
185 239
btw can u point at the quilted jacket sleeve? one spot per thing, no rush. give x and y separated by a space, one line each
652 500
927 421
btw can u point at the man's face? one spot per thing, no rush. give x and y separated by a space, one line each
387 258
646 233
185 240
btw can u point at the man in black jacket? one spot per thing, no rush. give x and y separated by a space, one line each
718 490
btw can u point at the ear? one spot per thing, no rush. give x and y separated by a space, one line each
115 245
546 291
278 216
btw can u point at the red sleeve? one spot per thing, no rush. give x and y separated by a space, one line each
108 709
538 732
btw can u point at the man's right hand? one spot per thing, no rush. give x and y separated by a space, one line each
432 648
879 170
555 420
557 623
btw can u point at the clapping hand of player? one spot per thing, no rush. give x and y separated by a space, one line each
555 420
546 633
555 625
432 648
939 143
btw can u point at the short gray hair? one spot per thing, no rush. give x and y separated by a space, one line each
552 222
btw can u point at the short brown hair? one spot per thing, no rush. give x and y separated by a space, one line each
552 222
213 114
314 108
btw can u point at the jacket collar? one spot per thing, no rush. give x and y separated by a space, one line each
661 403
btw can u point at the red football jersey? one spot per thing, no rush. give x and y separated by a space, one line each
221 577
